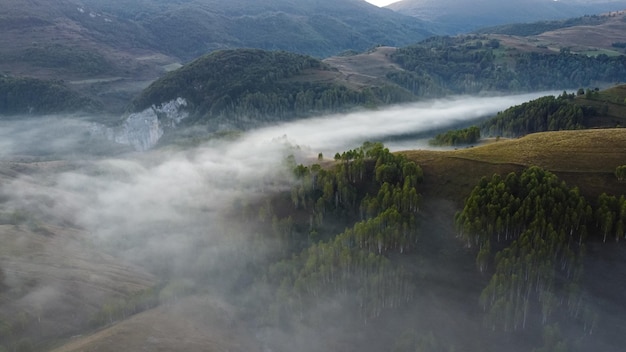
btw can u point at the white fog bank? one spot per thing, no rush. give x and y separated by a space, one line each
167 203
336 133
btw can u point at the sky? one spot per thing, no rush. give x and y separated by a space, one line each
381 3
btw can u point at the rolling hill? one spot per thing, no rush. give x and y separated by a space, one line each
112 50
585 159
245 88
455 17
232 246
73 47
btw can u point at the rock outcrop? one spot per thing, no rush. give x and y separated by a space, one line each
144 129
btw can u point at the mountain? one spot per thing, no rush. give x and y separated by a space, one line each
447 280
111 50
246 88
188 29
591 35
462 16
260 86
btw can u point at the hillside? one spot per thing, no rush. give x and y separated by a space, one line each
445 286
53 280
455 17
580 110
111 67
34 96
246 88
267 86
194 324
480 63
112 50
585 158
589 35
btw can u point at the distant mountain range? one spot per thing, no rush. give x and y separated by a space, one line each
110 51
114 48
188 29
462 16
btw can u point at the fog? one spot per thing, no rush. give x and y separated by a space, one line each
331 134
168 210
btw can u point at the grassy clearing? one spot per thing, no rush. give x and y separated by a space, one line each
586 159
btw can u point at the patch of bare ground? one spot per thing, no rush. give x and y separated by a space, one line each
366 69
600 36
587 39
192 324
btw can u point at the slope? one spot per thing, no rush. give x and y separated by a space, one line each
245 88
583 158
453 17
54 279
447 281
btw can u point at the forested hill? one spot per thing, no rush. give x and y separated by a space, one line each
34 96
319 28
473 64
247 86
113 49
534 28
454 16
590 34
581 110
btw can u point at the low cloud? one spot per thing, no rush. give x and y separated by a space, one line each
167 209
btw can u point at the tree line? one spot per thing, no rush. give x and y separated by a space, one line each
457 137
246 86
547 113
474 63
379 190
30 95
531 228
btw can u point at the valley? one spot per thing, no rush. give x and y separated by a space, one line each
283 175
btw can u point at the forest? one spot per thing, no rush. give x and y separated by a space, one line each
30 95
529 29
531 228
249 86
457 137
376 192
475 63
548 113
568 111
527 230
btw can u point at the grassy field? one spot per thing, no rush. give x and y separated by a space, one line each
586 159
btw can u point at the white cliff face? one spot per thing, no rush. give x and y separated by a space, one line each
143 130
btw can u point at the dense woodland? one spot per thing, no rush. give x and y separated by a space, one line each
33 96
258 85
528 231
581 110
531 228
374 190
611 214
250 86
528 29
548 113
457 137
471 64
